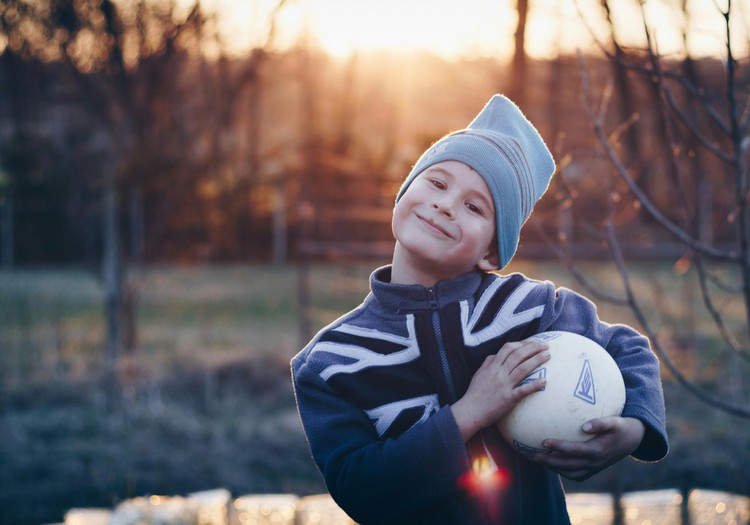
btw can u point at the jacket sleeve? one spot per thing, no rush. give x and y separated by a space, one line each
368 476
566 310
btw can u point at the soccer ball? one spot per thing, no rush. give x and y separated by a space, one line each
583 383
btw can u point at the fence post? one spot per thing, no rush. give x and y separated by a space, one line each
303 300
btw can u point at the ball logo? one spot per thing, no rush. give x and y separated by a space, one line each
585 390
539 373
546 336
530 451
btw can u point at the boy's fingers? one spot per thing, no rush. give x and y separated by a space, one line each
488 361
571 451
531 363
519 352
508 349
527 361
528 389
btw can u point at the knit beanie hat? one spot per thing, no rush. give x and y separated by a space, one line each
507 151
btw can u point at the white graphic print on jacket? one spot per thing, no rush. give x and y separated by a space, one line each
364 358
506 318
358 357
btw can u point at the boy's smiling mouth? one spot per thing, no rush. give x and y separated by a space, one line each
434 226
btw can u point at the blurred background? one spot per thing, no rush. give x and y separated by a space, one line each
190 189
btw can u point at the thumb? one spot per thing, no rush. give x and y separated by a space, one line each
599 425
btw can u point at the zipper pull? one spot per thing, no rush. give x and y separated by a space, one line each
432 298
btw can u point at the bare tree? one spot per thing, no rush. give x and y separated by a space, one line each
132 69
517 86
702 120
100 46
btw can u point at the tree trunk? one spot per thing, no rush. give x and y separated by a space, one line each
137 226
111 269
6 231
518 72
280 237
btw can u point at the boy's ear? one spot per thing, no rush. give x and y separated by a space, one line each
490 262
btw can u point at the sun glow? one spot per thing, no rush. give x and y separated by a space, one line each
453 28
447 28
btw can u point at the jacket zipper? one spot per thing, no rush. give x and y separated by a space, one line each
437 328
441 347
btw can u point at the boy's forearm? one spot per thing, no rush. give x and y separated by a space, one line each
467 422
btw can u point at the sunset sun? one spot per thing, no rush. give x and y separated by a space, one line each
443 27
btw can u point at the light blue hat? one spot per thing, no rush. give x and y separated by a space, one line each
507 151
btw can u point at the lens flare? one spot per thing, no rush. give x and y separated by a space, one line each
485 477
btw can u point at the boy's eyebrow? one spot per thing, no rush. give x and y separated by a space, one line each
441 170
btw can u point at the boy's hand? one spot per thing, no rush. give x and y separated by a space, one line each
613 439
492 393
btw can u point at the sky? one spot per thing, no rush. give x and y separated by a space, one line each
454 28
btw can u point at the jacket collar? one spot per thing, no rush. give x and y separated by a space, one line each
405 298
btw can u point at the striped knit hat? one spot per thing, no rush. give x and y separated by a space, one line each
507 151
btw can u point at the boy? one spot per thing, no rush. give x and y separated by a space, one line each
399 397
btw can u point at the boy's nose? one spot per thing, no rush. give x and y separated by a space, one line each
444 206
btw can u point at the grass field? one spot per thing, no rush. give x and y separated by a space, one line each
206 400
55 318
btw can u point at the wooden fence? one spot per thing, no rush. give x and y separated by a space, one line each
217 507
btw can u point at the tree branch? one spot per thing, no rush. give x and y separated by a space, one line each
667 224
730 131
718 320
741 186
563 252
700 393
694 91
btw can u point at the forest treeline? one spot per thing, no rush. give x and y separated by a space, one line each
189 156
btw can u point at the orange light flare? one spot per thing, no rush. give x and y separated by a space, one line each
485 477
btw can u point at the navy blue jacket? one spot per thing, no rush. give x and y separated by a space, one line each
374 388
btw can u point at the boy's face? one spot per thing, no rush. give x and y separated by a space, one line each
445 221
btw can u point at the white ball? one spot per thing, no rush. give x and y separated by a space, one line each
583 383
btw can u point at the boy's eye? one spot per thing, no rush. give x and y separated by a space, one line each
438 184
474 208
